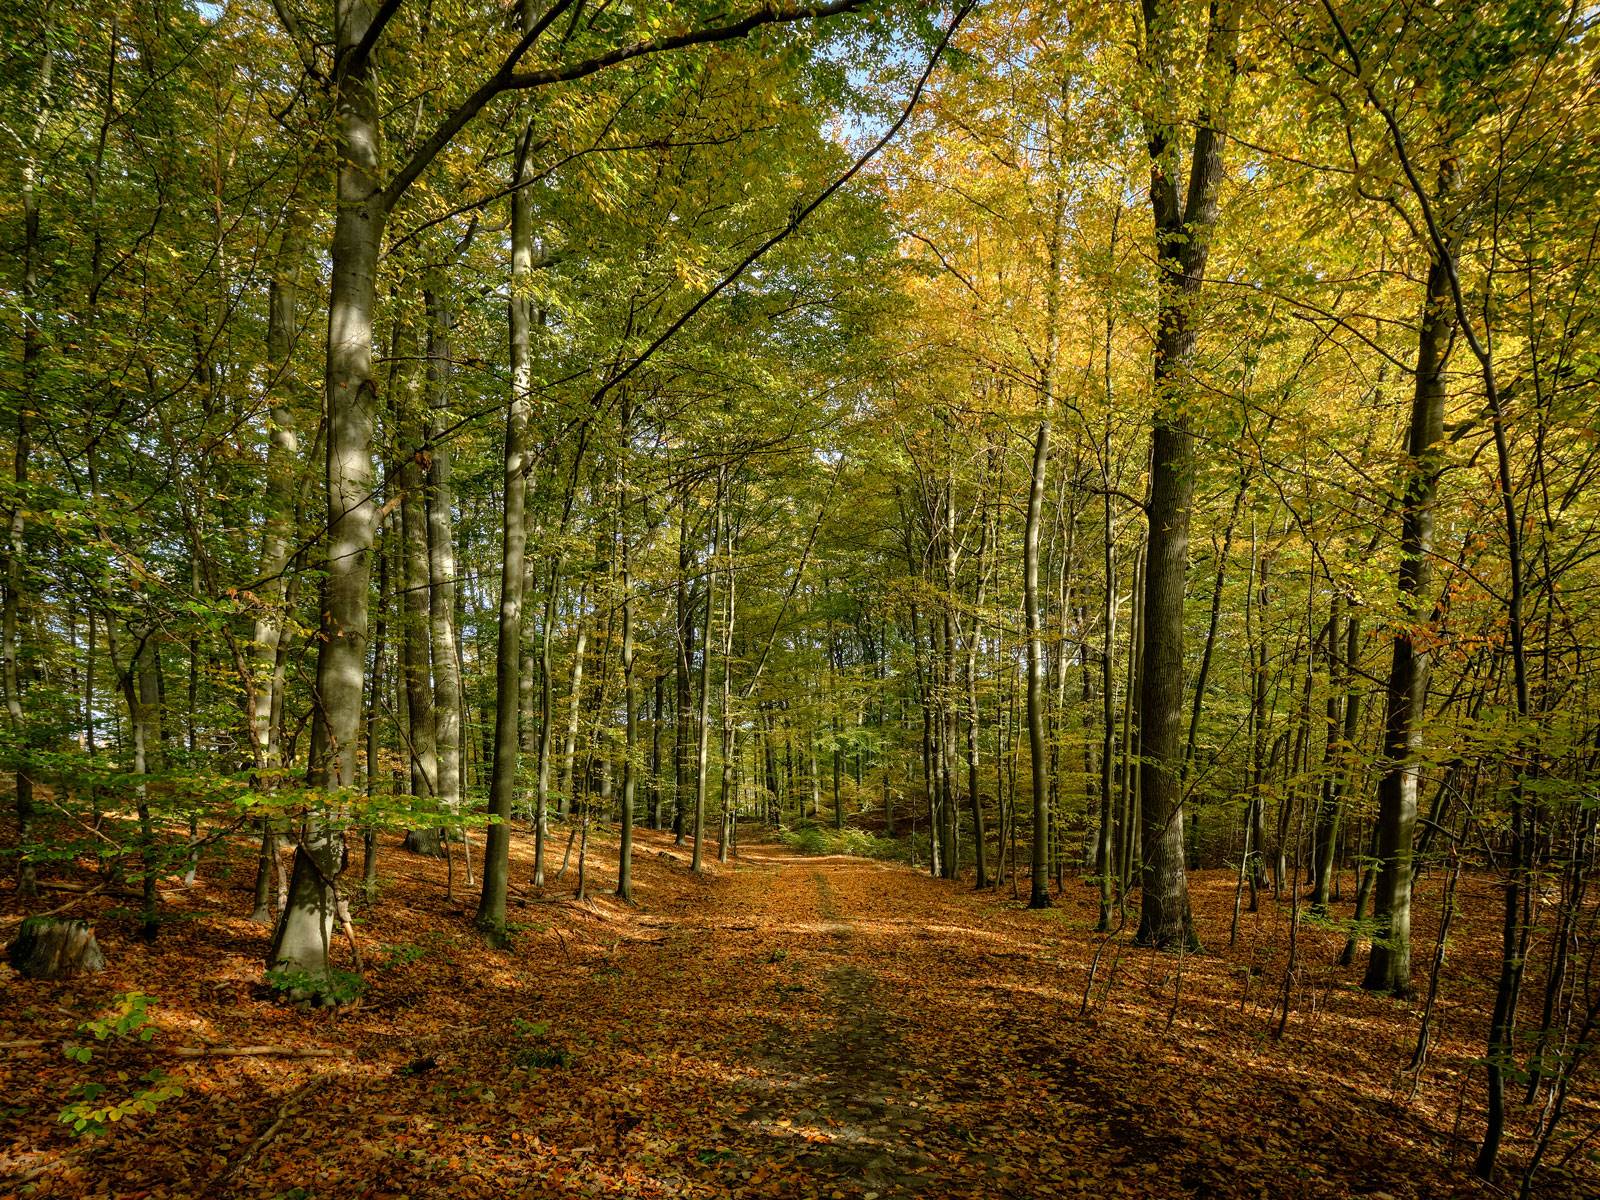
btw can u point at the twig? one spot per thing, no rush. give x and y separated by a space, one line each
257 1052
39 1169
1094 963
1177 991
87 889
208 1051
284 1112
1419 1056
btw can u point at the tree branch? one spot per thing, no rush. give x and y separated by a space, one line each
362 50
507 78
468 108
794 221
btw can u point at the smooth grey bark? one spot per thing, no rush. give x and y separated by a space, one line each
939 680
1039 863
1208 653
1038 895
491 918
541 799
1104 841
1127 830
144 710
447 700
375 689
141 693
657 708
1183 227
834 726
305 929
766 723
944 541
1257 597
529 674
1104 855
282 471
924 672
415 616
974 711
703 716
567 787
1068 486
16 548
1340 652
541 807
728 795
683 717
629 684
1411 661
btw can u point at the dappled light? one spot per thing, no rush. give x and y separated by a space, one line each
799 599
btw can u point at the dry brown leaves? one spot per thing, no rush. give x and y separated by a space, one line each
782 1026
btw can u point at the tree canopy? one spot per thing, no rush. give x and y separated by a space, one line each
1090 452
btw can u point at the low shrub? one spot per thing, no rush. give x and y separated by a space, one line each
811 838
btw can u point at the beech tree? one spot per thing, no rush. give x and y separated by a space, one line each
1051 447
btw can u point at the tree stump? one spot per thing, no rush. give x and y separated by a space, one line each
429 843
55 948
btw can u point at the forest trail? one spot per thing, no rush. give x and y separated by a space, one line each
839 974
865 1031
872 1032
1152 445
813 1028
829 1079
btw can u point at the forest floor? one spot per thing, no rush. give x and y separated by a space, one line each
781 1026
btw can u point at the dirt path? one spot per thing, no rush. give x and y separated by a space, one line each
855 1085
864 1031
844 1083
783 1026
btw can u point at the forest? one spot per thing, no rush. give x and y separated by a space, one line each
800 598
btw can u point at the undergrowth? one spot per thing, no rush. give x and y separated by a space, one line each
811 838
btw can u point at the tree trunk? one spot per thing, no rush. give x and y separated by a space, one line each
141 691
1038 896
728 800
1341 654
11 618
380 637
569 744
1389 965
442 563
282 469
305 929
416 667
683 719
54 948
491 918
657 709
974 713
629 690
1257 597
541 801
1104 865
1128 820
703 717
1183 233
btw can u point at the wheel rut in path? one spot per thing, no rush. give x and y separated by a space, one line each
842 1086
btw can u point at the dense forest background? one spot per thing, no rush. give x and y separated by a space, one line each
1056 446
